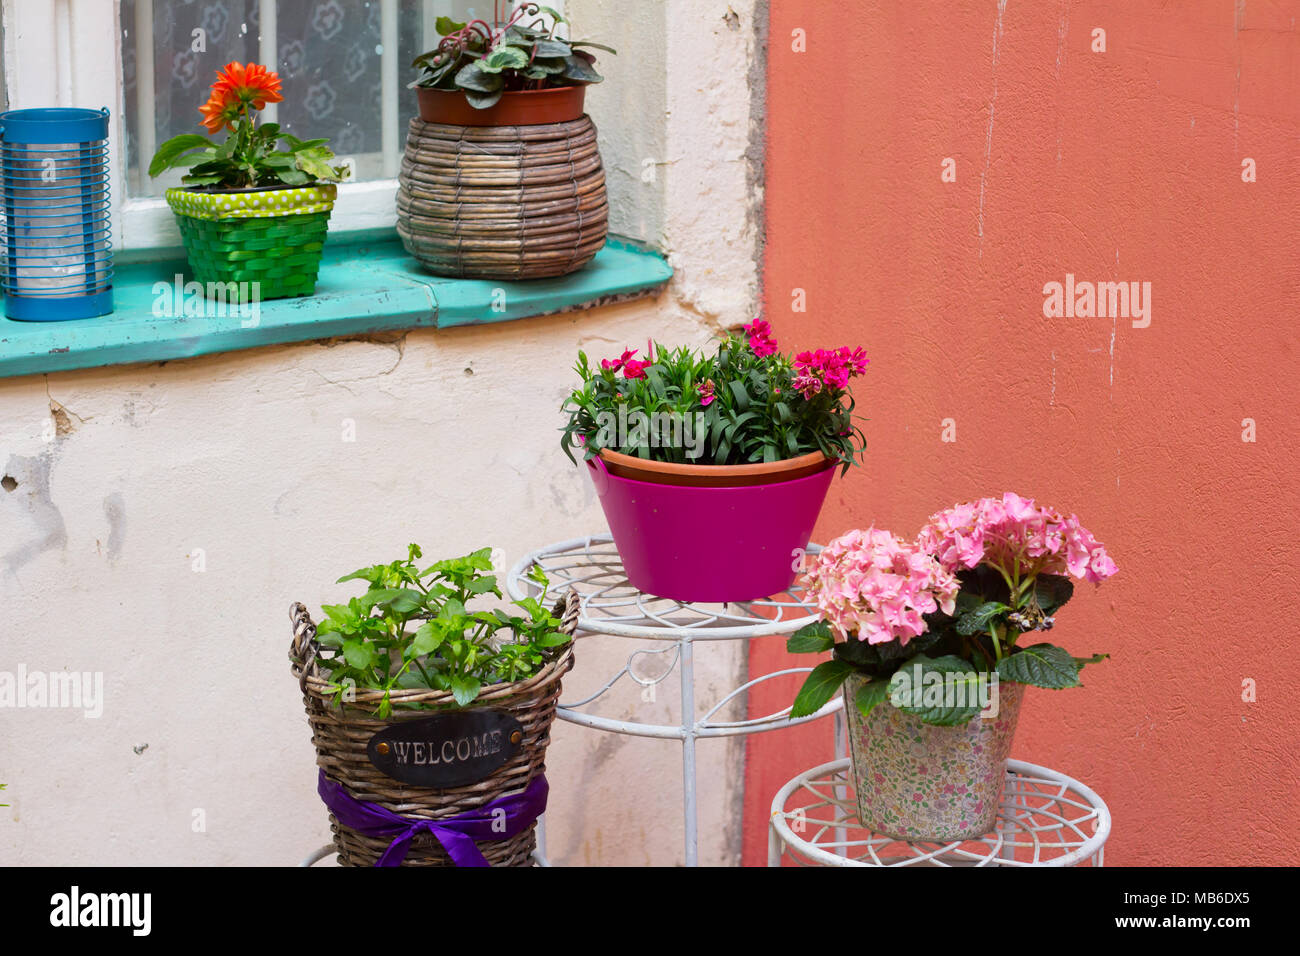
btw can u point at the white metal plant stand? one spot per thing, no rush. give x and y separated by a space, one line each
612 607
1044 819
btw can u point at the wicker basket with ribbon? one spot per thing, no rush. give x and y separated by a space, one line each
379 816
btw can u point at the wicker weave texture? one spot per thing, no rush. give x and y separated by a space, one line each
340 735
280 253
502 202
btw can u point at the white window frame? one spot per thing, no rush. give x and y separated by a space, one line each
68 53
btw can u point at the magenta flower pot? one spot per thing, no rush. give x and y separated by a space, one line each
710 545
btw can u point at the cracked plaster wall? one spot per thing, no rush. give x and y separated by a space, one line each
122 482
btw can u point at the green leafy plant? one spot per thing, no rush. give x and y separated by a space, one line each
415 629
251 155
516 52
744 403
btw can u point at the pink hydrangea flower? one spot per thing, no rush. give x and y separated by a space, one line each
1011 532
875 586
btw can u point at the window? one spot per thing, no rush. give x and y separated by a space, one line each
340 63
92 53
345 65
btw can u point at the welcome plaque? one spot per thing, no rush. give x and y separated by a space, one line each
447 750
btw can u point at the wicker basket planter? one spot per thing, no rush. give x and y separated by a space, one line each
502 202
272 237
342 734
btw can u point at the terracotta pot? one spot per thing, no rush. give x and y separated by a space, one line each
560 104
916 781
713 476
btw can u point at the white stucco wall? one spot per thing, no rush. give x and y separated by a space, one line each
122 475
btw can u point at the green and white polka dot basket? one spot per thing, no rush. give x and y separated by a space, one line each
271 237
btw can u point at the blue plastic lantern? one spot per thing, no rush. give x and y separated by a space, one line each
58 252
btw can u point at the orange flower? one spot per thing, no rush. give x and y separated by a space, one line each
252 85
220 113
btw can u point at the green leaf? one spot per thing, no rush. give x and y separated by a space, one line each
1094 659
550 67
1041 665
503 58
447 26
296 144
977 621
553 639
579 70
1051 591
871 694
465 688
552 49
472 77
171 153
820 686
358 655
427 639
371 574
943 691
293 177
314 161
401 600
337 613
483 101
893 650
552 13
860 654
814 638
593 43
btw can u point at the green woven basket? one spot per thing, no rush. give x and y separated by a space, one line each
269 237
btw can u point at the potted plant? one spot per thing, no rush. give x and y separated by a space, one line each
431 715
926 643
712 468
502 176
513 71
254 208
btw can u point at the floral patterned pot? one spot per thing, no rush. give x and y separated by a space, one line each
915 781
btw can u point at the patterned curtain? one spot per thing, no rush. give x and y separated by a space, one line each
328 58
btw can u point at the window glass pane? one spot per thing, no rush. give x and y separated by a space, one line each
328 55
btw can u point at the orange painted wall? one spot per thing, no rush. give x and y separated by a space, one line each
1122 165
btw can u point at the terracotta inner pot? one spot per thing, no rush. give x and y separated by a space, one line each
714 476
560 104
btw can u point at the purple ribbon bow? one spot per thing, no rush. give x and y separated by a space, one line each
501 819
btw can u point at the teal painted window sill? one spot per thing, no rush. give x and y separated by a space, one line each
362 288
